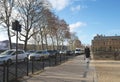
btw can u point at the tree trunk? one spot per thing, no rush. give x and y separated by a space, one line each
53 46
57 42
9 37
46 41
25 43
42 47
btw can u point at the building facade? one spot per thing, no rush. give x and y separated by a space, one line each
106 43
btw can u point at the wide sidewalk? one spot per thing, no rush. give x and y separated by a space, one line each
73 70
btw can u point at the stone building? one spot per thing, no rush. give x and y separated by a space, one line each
106 47
106 43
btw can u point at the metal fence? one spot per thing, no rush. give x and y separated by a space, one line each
25 68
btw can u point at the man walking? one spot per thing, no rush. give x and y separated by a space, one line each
87 54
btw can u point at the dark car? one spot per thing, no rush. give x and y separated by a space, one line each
70 52
52 52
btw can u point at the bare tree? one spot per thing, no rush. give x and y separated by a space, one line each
31 12
51 29
6 8
77 43
43 31
61 32
72 39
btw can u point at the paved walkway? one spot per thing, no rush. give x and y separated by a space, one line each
74 70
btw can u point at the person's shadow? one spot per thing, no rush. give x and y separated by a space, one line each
86 70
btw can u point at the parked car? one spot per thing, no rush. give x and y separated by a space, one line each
56 52
62 52
45 54
30 52
38 54
10 55
52 52
79 51
69 52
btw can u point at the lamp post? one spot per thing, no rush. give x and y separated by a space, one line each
16 27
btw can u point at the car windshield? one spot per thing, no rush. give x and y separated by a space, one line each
7 53
50 51
38 52
31 51
44 52
77 49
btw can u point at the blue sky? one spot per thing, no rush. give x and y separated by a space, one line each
89 17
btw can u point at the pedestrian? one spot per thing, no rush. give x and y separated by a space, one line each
87 54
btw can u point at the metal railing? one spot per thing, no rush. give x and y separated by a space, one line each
26 68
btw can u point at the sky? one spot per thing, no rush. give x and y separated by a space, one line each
87 18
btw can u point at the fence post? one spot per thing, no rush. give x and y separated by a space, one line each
27 66
42 58
8 63
55 59
4 71
32 65
49 60
60 58
64 57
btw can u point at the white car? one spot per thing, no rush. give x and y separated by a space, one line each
77 51
38 54
10 55
62 52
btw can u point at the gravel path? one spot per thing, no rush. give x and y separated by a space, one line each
107 70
